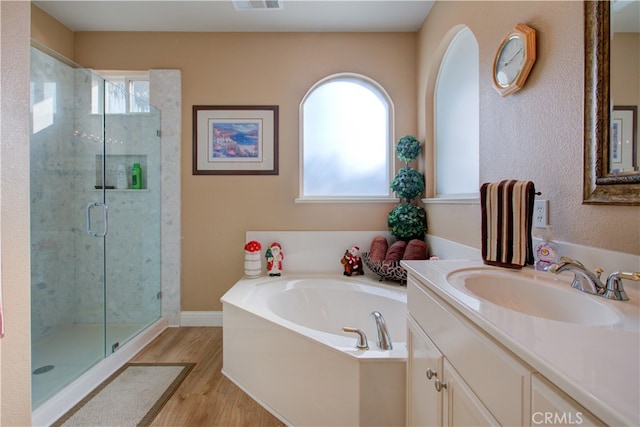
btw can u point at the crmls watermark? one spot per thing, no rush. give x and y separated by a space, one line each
557 418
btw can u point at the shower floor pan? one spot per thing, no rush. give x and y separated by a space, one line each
63 356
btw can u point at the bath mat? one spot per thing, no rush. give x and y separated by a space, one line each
132 396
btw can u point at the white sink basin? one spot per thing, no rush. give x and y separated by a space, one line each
533 295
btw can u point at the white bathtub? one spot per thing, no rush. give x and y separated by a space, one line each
283 344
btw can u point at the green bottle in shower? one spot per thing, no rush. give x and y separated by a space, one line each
136 176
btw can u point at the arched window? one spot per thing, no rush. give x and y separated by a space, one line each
346 140
457 123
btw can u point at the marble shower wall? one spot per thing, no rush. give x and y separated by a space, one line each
166 94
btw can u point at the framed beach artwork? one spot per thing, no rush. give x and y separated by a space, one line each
235 140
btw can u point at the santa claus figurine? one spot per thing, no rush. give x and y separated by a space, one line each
352 262
274 257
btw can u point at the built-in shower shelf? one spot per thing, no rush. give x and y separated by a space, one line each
112 162
129 190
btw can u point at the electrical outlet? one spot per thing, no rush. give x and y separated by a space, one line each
540 213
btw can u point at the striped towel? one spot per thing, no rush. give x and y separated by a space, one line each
507 216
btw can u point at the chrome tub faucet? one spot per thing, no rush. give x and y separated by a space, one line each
384 340
362 343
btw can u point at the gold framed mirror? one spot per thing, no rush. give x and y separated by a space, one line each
601 185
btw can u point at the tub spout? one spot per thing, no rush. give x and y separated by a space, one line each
384 340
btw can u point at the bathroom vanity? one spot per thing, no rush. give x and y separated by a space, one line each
491 346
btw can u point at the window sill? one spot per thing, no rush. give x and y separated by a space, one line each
464 199
346 200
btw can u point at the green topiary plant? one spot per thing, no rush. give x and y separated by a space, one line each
408 183
408 148
408 221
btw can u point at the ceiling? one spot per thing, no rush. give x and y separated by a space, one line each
222 16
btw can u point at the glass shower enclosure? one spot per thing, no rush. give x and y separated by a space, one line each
95 240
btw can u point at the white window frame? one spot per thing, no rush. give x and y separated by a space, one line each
389 197
461 198
128 77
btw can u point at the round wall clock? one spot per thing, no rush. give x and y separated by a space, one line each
514 59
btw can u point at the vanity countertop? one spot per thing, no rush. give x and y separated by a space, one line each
599 366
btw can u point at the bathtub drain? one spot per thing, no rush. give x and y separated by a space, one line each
43 369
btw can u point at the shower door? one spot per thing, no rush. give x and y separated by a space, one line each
132 243
95 251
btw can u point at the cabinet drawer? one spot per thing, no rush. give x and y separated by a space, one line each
499 380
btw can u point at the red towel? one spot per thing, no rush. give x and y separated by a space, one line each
507 217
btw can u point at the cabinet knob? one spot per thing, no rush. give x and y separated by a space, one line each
440 385
430 374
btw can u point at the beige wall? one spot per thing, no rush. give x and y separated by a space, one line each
625 69
534 134
15 360
51 33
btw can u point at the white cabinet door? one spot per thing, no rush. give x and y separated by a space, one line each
424 365
461 406
551 406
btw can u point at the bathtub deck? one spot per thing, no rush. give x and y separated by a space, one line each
206 397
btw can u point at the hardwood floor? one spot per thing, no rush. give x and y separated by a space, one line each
206 397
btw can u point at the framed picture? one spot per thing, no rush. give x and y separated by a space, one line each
616 140
235 140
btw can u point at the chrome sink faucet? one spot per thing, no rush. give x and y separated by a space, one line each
384 340
587 281
583 279
614 285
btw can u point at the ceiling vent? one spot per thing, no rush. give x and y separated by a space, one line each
257 4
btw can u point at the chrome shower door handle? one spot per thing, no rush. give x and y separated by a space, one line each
105 209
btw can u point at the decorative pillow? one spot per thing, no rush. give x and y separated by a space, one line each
396 251
416 249
379 247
